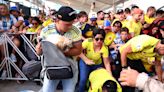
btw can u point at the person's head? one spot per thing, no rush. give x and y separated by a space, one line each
109 86
159 13
82 17
106 16
100 15
35 22
4 10
98 36
93 18
161 28
65 18
52 14
137 14
120 14
127 11
160 48
14 11
151 11
134 7
124 34
117 25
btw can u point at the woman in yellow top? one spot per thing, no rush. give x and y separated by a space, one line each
36 24
94 56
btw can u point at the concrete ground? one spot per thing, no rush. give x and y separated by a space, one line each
13 86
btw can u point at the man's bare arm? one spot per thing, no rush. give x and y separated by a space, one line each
75 50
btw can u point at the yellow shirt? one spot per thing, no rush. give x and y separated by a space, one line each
148 19
98 77
109 38
91 54
47 22
134 27
33 29
142 48
100 23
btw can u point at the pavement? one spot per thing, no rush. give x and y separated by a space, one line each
13 86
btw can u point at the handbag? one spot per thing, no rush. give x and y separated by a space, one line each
55 64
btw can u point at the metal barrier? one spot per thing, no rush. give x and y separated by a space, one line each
7 62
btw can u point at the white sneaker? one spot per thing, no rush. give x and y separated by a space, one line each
4 74
13 57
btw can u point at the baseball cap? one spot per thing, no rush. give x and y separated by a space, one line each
66 13
120 11
93 16
107 24
14 8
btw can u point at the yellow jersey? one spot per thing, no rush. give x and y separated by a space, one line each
91 54
143 48
148 19
109 38
47 22
134 27
100 23
33 29
98 77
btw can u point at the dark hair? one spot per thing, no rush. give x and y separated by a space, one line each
149 8
159 12
125 29
117 22
98 31
127 10
36 19
81 14
110 86
27 17
53 11
162 41
134 6
99 12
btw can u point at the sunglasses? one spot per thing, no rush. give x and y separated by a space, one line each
97 39
34 23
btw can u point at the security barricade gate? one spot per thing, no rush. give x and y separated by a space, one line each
7 62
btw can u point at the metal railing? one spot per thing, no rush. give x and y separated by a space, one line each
7 62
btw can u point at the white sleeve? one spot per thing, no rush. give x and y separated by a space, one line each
149 84
14 19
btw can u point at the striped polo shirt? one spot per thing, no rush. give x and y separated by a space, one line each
74 33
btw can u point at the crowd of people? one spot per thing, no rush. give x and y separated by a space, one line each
111 52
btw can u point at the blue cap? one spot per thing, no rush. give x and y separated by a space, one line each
107 23
14 8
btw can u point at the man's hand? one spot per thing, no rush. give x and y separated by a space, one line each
128 77
89 62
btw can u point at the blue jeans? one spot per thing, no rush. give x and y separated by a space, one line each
68 84
85 70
